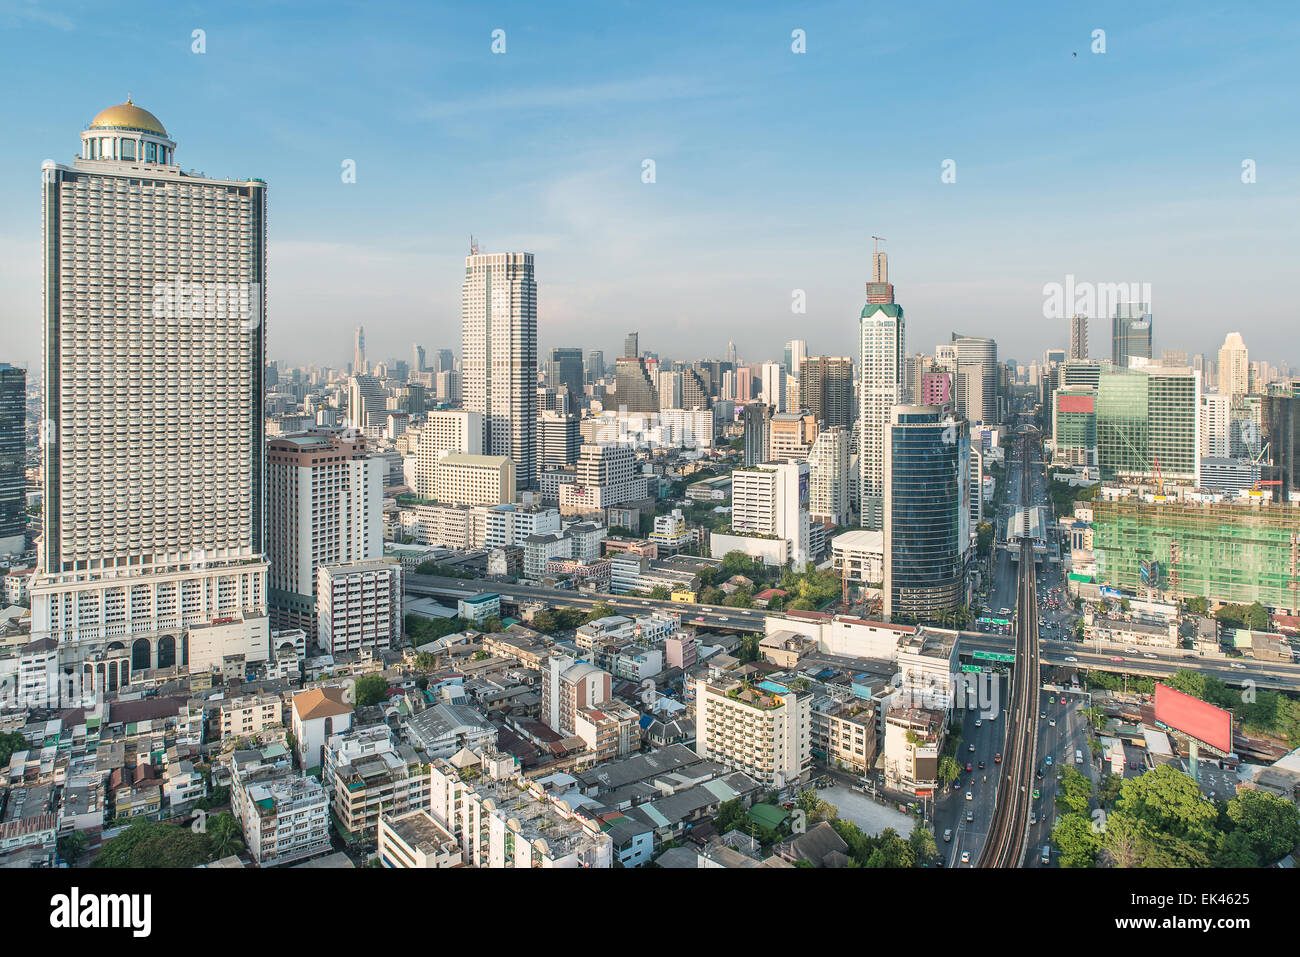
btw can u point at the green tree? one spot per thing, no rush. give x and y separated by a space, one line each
1197 605
984 540
73 846
949 770
731 815
11 741
155 844
922 844
371 689
1078 842
492 625
601 610
660 593
224 835
1269 823
1171 804
1075 792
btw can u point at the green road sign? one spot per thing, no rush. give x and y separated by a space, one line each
992 656
974 668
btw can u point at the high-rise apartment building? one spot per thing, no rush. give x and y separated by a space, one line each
1130 333
1234 367
882 354
558 439
826 390
757 420
367 402
791 436
325 505
761 731
13 463
499 355
417 357
442 432
1078 337
359 605
154 329
927 513
1213 428
829 477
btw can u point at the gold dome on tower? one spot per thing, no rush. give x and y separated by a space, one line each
127 116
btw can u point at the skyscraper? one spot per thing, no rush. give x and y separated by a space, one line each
595 365
826 389
417 358
499 356
796 350
1130 333
757 420
359 353
1234 367
325 504
773 386
631 346
635 389
927 513
154 519
445 362
828 463
882 353
1078 337
977 378
564 370
13 480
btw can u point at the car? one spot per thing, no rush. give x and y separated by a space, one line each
997 758
1033 817
1071 659
1035 794
1116 658
981 765
947 835
1052 700
1130 651
1237 666
968 767
1192 657
979 724
1042 714
1149 655
1039 774
1051 722
970 796
965 857
970 747
1049 760
970 816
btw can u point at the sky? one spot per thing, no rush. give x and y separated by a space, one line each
772 169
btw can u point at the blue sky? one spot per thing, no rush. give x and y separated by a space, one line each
773 169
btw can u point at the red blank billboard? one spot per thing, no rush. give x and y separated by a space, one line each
1194 717
1075 403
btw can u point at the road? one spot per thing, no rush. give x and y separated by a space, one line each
1062 730
717 616
1004 846
986 733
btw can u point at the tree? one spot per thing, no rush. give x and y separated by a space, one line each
731 815
72 846
1170 803
984 540
492 625
1197 605
371 689
155 844
224 835
922 844
11 741
1078 842
601 610
1075 792
660 593
1270 824
949 770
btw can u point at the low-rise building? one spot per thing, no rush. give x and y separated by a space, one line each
765 733
415 840
366 770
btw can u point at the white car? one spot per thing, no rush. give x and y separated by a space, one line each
1149 655
970 796
1074 660
979 724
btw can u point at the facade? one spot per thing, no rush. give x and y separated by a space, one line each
791 436
635 389
606 475
359 605
766 734
559 439
859 556
315 717
757 421
134 353
1234 367
830 476
1239 552
1130 333
499 356
568 686
1078 337
927 513
1074 426
826 390
475 480
13 479
564 370
325 497
443 432
285 817
1145 415
365 771
250 714
770 501
772 386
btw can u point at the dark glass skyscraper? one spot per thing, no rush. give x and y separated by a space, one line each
564 370
927 459
1130 333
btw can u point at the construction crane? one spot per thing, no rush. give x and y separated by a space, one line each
1160 482
878 240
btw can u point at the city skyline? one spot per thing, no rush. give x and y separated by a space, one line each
980 249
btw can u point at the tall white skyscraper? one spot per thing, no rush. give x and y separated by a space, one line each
1234 367
499 355
882 354
153 518
796 350
773 386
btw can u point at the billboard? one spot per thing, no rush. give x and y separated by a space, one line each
1194 718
